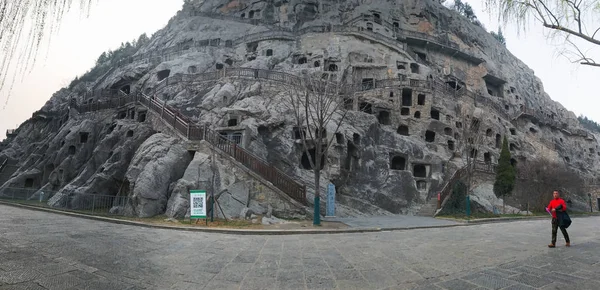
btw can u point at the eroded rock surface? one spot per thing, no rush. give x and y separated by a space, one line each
419 73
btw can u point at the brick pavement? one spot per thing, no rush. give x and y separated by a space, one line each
41 250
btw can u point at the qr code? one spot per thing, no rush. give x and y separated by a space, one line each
197 201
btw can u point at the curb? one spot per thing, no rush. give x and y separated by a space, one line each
511 219
193 229
271 232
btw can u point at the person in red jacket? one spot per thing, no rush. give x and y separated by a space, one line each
557 207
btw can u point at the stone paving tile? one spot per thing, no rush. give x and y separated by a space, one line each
457 284
84 275
59 282
587 275
18 276
563 278
160 259
404 286
531 271
103 284
585 260
258 283
290 276
352 284
499 272
427 287
321 284
491 282
530 280
511 265
555 286
379 279
347 275
289 285
23 286
222 285
518 287
181 285
562 269
54 269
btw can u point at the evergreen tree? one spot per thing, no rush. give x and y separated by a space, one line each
499 36
505 174
102 59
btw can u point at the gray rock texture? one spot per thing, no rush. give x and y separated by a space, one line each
160 161
418 73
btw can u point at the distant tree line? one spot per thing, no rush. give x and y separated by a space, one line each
589 123
109 59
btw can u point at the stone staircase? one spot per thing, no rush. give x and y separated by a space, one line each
185 128
429 208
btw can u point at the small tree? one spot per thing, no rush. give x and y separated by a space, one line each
317 105
470 137
499 36
505 175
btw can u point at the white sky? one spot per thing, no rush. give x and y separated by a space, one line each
81 40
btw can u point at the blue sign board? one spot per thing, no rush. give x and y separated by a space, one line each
331 200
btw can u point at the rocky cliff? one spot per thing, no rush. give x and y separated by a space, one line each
419 78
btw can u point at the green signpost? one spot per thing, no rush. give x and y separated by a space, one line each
197 204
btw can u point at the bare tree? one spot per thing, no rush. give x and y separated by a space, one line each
577 21
469 140
538 178
317 104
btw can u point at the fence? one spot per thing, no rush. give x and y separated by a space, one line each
278 178
89 203
26 194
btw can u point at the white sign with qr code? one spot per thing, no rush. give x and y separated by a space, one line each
197 204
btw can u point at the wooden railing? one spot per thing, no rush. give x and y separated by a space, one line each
278 32
447 188
485 167
186 128
3 164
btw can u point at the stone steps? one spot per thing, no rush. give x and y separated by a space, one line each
429 208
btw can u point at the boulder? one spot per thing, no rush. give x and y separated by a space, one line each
159 161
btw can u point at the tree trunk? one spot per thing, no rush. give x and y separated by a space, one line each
504 204
317 207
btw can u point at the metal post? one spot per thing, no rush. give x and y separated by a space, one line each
188 131
468 206
212 205
93 203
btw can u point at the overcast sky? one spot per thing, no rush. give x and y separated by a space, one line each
81 40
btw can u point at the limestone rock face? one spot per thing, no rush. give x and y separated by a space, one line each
418 73
159 161
236 191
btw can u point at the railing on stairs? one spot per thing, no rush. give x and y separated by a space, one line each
186 128
3 164
447 189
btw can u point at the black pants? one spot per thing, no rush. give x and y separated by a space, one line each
555 229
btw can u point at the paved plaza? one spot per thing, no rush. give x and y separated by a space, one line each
40 250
